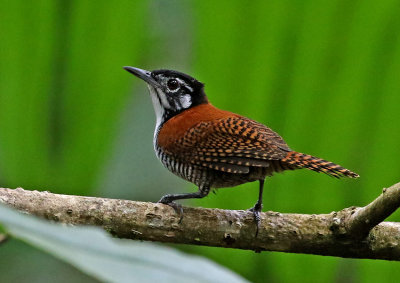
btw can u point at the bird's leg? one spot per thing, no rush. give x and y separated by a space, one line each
171 198
256 209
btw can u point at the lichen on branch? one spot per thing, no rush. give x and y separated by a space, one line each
352 232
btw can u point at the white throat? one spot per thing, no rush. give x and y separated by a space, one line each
161 104
158 109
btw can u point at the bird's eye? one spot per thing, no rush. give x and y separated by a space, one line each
172 84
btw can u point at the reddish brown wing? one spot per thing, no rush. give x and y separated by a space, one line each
230 144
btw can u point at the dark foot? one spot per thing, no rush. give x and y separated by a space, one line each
256 209
176 206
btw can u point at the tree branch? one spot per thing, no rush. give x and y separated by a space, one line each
363 219
352 232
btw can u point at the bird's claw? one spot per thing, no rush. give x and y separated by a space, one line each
256 209
176 206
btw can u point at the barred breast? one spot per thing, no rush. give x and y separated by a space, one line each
204 176
187 171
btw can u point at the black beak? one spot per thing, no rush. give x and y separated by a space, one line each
144 75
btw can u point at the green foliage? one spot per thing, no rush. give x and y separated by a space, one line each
61 88
324 74
113 260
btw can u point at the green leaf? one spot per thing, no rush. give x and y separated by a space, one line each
3 234
113 260
2 229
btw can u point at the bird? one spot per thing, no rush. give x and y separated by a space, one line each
214 148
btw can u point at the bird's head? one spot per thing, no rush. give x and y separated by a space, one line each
171 92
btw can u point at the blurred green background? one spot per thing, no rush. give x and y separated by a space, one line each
324 74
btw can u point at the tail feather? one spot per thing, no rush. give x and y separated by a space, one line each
301 160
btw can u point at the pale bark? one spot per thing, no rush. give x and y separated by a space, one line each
352 232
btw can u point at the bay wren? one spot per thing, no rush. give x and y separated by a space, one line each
213 148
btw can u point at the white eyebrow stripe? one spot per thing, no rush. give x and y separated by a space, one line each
182 82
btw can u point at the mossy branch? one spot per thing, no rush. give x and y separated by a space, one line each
352 232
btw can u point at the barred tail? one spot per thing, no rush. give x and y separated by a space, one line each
301 160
